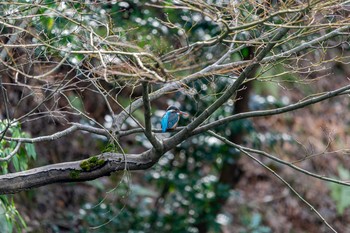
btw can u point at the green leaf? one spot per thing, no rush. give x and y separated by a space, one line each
30 150
16 132
142 191
76 102
20 223
97 184
4 167
23 161
340 193
4 199
245 52
256 220
9 216
15 162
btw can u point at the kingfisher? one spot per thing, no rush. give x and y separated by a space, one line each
171 118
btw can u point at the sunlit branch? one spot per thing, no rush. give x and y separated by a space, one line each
20 45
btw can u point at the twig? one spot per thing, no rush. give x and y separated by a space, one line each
139 62
291 188
9 156
57 135
121 117
39 77
291 107
274 158
243 150
231 90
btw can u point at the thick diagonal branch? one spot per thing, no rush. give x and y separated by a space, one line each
229 92
121 117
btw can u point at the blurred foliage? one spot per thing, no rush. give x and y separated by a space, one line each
340 193
20 160
253 224
186 179
10 218
66 25
136 215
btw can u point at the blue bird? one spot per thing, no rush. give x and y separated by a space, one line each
171 118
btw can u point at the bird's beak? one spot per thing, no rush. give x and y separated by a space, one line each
185 114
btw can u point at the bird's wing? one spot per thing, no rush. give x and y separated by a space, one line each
173 118
164 121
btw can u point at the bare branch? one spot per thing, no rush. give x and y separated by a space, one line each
268 112
276 159
57 135
9 156
231 90
148 126
77 171
290 107
59 64
14 37
139 62
246 152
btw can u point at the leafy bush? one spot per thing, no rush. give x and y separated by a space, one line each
10 218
